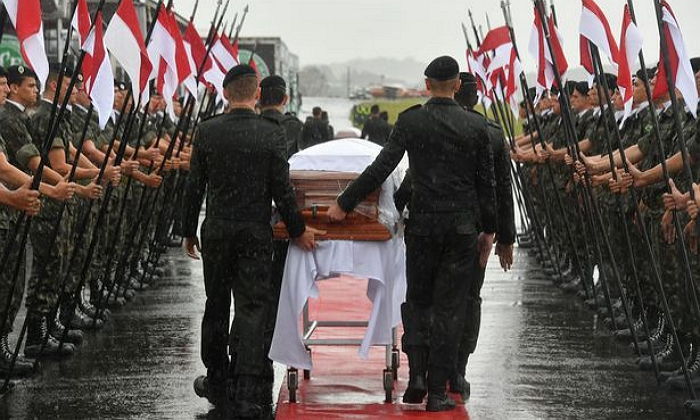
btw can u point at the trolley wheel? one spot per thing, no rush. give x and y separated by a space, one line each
292 384
395 363
388 379
307 373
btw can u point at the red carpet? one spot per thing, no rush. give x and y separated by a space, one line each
342 386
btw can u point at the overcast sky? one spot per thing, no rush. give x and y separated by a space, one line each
331 31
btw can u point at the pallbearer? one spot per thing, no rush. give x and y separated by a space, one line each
237 159
452 193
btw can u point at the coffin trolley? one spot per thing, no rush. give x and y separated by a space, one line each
362 231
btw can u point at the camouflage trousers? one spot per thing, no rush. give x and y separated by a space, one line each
48 263
11 287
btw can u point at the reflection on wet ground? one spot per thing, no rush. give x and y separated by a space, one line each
541 355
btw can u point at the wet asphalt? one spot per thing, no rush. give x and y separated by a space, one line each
541 355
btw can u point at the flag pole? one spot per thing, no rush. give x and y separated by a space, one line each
604 94
3 19
579 266
590 204
26 220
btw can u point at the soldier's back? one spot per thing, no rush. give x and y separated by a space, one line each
237 151
443 144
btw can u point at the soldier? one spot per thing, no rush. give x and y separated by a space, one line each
22 198
314 132
15 127
505 235
238 160
273 100
50 232
453 186
375 128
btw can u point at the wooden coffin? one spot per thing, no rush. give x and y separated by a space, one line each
316 191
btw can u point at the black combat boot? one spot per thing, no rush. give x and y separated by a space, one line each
22 368
245 404
40 343
678 382
72 317
625 334
657 339
417 370
87 308
58 331
438 400
212 388
458 383
668 359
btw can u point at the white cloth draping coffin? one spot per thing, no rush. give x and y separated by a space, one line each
383 263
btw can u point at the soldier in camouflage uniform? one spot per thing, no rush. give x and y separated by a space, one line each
16 128
22 198
50 233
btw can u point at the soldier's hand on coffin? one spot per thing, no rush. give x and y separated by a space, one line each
307 240
91 191
25 199
192 248
336 214
63 191
667 227
484 246
505 256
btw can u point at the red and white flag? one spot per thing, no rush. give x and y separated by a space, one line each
221 52
595 28
680 69
81 21
631 43
505 67
203 64
476 67
124 40
99 78
545 58
185 70
26 18
82 24
171 66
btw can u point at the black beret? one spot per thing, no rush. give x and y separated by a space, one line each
3 72
442 68
467 78
570 86
695 64
119 85
612 81
271 82
237 72
55 68
582 88
645 74
16 74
